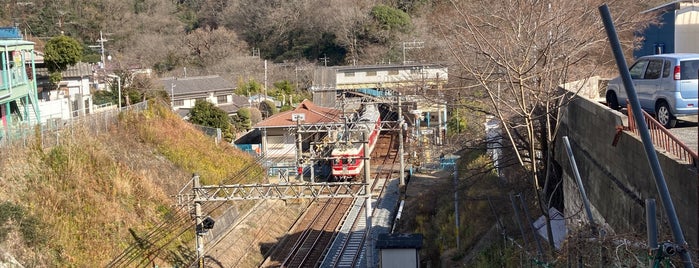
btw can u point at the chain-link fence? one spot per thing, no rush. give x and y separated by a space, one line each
54 130
211 132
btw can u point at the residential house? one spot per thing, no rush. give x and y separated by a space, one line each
328 81
185 91
19 109
72 97
278 134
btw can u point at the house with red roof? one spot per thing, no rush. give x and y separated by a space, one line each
278 136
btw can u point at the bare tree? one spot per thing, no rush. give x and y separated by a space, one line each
208 46
519 52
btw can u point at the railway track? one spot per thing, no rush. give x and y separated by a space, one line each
352 247
315 231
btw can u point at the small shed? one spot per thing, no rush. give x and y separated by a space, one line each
448 161
399 250
678 31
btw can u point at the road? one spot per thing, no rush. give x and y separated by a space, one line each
687 132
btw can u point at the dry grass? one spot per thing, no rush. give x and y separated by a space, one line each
430 210
90 190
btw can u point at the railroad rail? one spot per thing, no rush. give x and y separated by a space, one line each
351 251
318 233
316 230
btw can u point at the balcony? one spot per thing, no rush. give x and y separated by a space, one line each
13 82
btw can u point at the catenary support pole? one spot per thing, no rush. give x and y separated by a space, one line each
401 150
645 137
367 190
198 220
299 149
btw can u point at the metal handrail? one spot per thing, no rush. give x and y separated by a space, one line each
662 137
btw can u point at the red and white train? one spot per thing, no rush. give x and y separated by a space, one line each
348 155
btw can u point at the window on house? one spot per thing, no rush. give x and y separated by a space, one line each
393 72
222 99
179 102
371 73
349 74
275 142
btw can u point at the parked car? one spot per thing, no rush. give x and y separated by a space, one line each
666 86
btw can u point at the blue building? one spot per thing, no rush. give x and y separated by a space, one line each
678 30
19 109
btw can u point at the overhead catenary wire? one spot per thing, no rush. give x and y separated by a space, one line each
181 223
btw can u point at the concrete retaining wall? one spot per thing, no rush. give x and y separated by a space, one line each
618 178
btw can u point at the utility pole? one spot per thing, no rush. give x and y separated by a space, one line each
172 94
325 60
651 154
101 48
198 220
265 89
101 41
411 45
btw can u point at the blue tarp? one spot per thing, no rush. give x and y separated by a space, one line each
10 33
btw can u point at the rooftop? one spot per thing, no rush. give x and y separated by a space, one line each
399 241
197 84
313 114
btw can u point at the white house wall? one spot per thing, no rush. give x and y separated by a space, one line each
281 147
189 101
687 29
399 258
76 87
55 109
348 79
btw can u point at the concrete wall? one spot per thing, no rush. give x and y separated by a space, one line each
618 178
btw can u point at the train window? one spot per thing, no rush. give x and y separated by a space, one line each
344 161
354 161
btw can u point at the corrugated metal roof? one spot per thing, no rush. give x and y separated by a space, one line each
688 15
198 84
667 5
395 240
81 69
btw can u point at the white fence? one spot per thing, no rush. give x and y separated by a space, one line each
56 128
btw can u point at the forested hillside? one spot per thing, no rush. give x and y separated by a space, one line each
230 37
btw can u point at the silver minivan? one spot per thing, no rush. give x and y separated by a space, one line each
666 85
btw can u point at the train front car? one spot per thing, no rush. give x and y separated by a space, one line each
348 157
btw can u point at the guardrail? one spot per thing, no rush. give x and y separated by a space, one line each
662 138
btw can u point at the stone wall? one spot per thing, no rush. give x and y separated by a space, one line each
618 178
